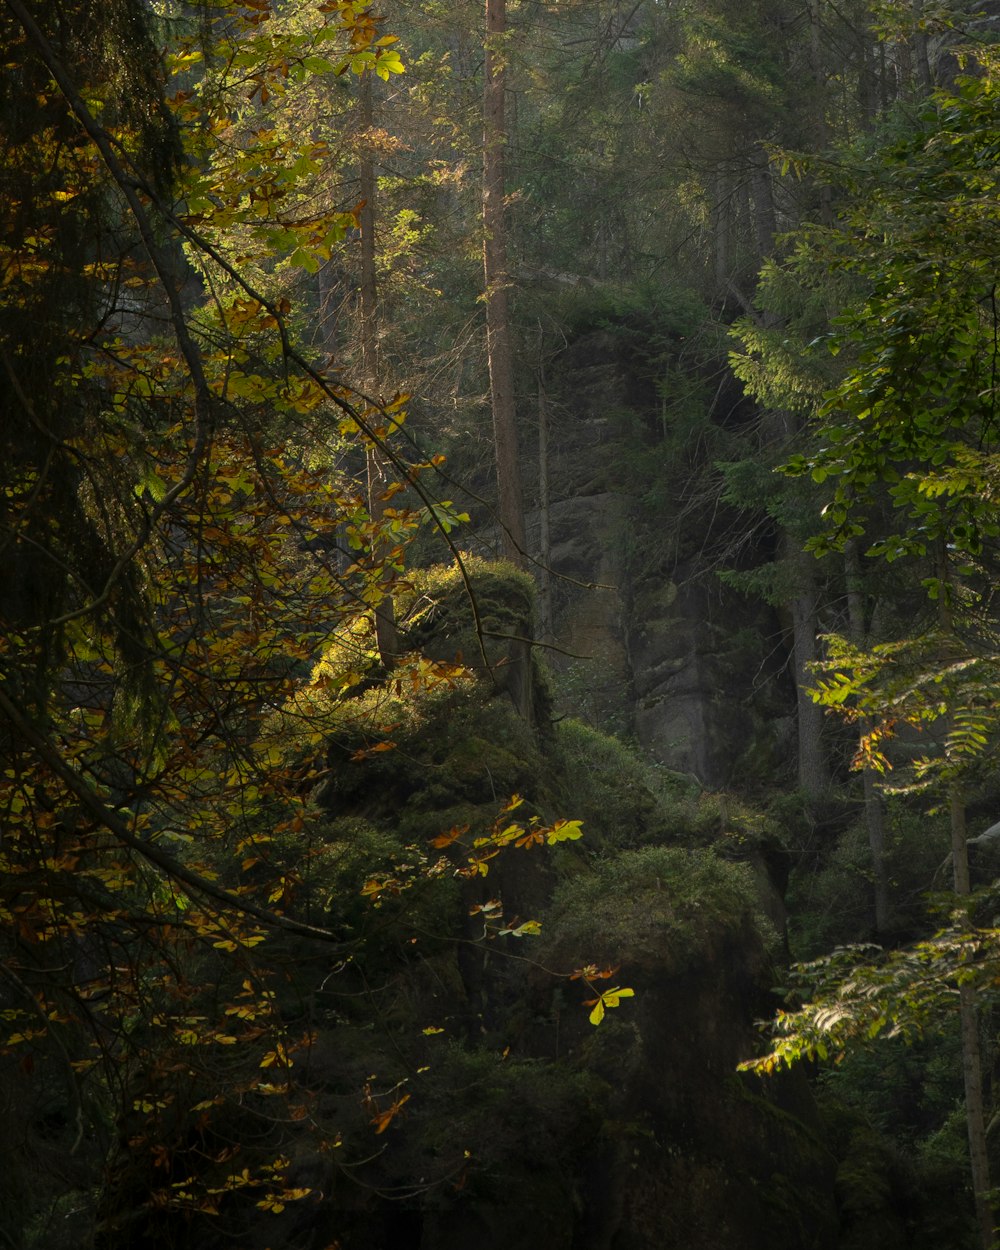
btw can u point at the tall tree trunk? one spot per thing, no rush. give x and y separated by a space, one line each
883 78
498 340
722 216
867 88
499 351
765 223
972 1060
544 532
820 127
874 822
813 769
378 477
921 54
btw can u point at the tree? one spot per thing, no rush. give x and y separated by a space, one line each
195 574
906 442
163 546
496 279
378 466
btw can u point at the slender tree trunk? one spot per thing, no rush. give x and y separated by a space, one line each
924 74
498 339
867 86
874 822
813 768
765 222
814 771
972 1061
972 1071
544 533
722 216
499 350
821 129
378 477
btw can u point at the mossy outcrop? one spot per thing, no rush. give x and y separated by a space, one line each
635 1134
448 1063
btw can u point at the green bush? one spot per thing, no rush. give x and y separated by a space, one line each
831 893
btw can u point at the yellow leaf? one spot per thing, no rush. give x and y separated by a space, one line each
609 998
564 831
278 1055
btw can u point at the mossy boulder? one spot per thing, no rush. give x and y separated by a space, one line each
701 1157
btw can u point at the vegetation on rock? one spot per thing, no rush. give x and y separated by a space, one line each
319 863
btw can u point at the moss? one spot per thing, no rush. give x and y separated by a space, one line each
613 789
488 1149
441 678
532 1128
436 606
389 933
658 905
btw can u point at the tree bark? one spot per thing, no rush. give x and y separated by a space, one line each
972 1061
386 635
496 279
765 222
813 770
822 131
544 532
921 55
722 214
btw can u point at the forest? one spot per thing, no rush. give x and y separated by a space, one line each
499 666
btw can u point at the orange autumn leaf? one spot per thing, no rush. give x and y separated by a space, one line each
446 839
383 1119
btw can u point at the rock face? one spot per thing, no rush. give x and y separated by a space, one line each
692 1154
715 1162
689 666
666 652
637 1135
451 1090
